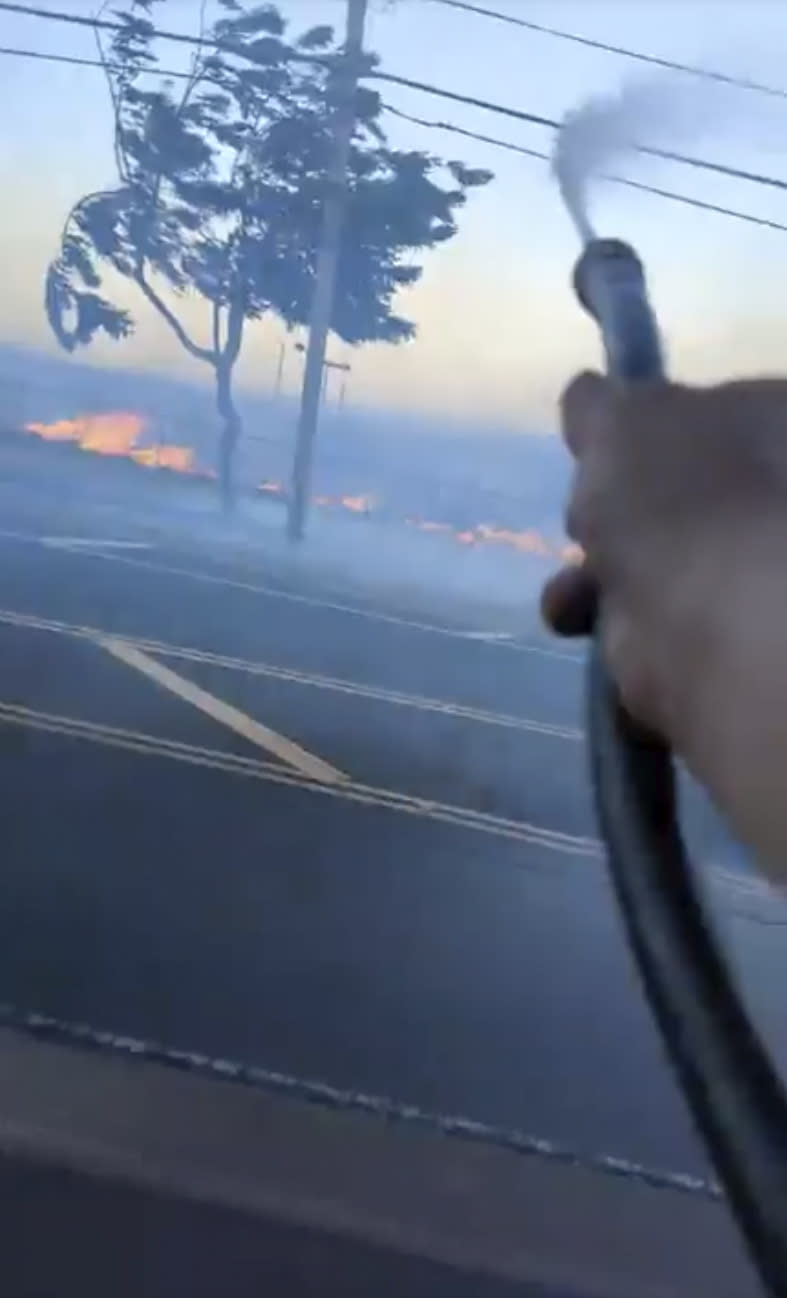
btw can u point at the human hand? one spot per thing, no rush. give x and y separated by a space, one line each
679 502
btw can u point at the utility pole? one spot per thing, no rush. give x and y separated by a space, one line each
322 305
341 368
279 371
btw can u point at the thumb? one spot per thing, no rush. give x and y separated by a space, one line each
569 601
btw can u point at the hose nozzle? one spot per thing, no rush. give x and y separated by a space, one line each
609 281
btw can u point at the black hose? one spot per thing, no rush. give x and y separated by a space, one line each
736 1097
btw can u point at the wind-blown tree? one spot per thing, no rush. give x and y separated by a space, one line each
221 177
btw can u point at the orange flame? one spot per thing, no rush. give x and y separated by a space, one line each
118 433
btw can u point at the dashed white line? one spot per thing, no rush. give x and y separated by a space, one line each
330 1096
488 636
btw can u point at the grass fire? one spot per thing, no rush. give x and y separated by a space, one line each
127 434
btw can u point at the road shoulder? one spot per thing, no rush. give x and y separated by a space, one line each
466 1206
352 558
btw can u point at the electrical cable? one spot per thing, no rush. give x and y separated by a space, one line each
107 24
536 119
639 56
686 200
75 61
716 208
410 83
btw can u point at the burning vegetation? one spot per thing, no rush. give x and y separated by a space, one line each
125 434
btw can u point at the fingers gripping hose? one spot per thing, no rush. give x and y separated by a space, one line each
735 1095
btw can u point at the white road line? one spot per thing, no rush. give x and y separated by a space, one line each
327 1095
87 551
92 542
740 887
397 698
728 880
489 636
226 715
357 689
234 764
291 597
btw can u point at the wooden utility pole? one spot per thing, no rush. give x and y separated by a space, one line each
322 305
279 370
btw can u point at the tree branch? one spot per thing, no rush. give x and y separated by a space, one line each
199 353
84 201
116 100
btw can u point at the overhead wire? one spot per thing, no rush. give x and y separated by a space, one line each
687 199
410 83
639 56
74 60
452 128
551 123
110 25
530 118
696 70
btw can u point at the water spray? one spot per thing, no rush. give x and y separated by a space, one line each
736 1096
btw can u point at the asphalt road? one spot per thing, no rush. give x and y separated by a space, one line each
115 1239
428 920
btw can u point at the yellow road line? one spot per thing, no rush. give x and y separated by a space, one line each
95 729
226 715
233 764
292 675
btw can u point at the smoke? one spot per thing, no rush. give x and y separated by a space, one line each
661 112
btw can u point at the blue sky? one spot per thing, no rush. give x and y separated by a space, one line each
499 332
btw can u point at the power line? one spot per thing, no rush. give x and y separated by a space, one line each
468 135
73 59
108 25
424 87
536 119
674 197
453 129
692 69
428 88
